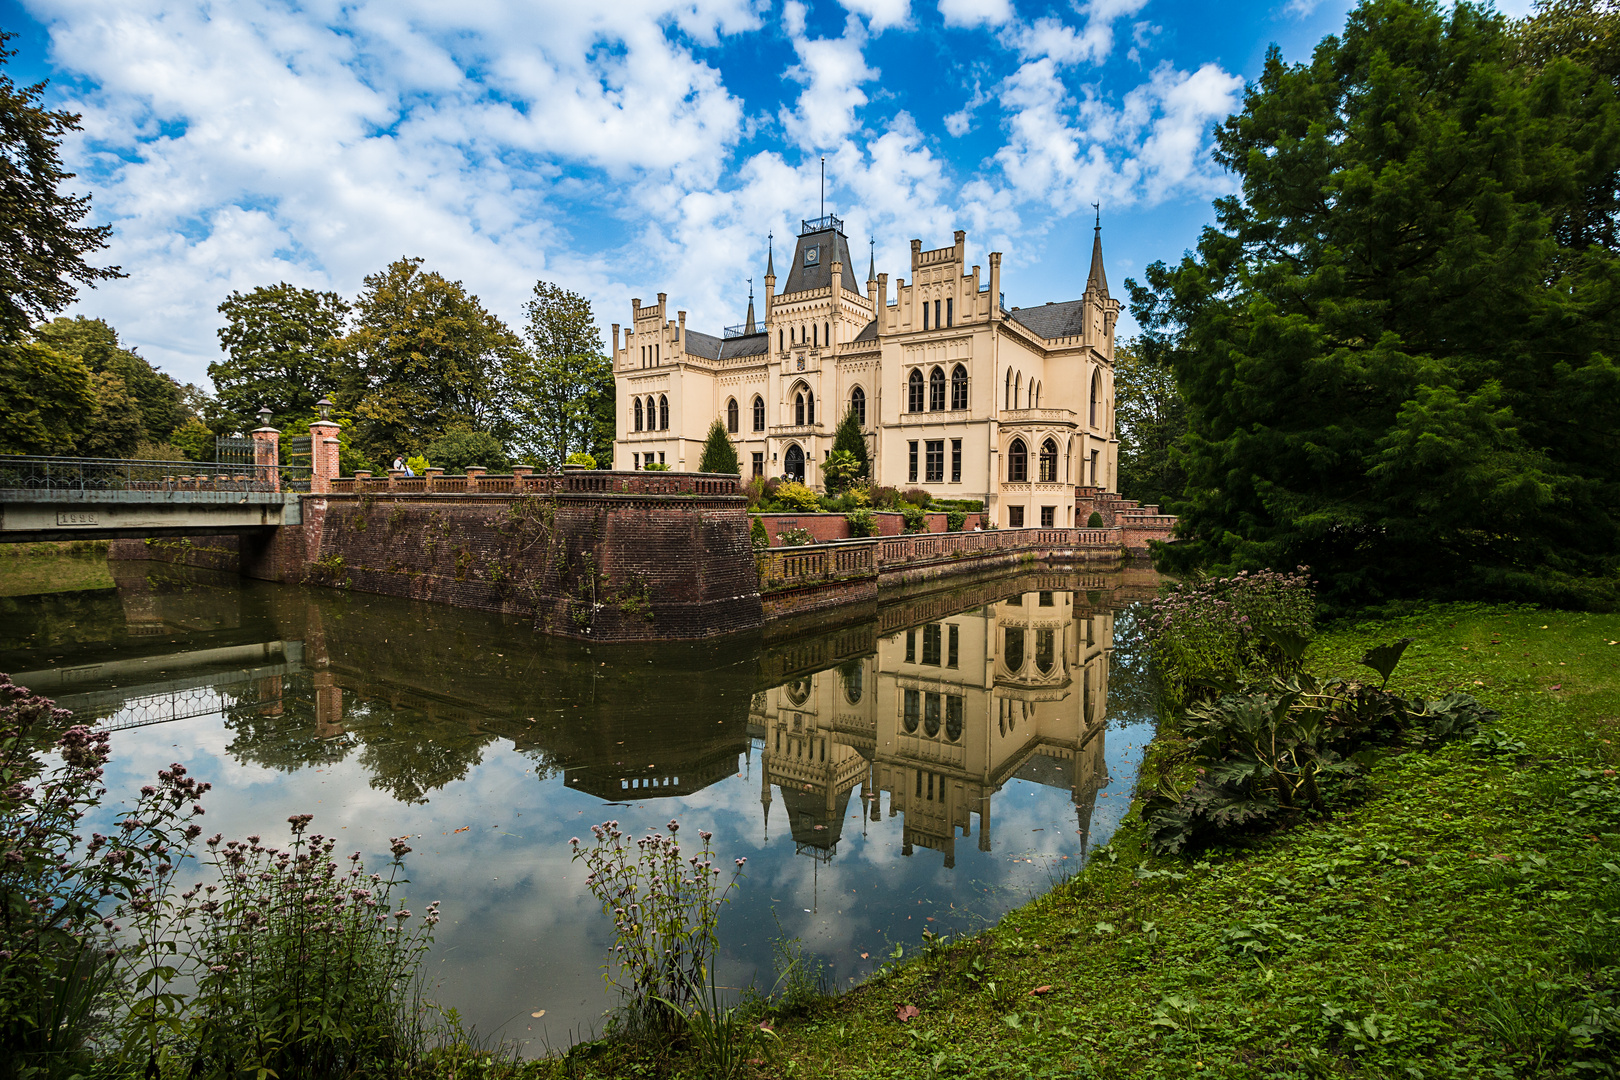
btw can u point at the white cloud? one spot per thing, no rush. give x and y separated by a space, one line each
969 13
831 71
1065 44
881 14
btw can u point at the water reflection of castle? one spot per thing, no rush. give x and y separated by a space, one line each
939 719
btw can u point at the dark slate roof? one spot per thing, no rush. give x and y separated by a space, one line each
868 332
830 247
747 345
1063 319
713 348
700 344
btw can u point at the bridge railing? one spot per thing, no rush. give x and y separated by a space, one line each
53 473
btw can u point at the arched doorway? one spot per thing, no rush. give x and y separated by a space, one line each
793 463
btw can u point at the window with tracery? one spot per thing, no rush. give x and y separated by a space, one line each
959 398
1017 462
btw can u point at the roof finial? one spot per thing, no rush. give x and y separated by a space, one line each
823 185
770 256
1098 207
871 267
750 290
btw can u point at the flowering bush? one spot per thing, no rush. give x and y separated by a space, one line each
1209 635
795 537
665 909
300 967
56 950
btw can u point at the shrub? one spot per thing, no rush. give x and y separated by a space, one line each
794 496
301 968
916 519
417 464
719 456
917 497
655 466
580 457
461 446
795 538
1206 637
56 957
954 520
885 498
862 523
757 536
665 909
1095 521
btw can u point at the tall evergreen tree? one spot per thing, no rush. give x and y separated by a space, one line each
1394 345
848 439
719 456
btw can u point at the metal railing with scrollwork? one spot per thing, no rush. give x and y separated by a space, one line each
42 473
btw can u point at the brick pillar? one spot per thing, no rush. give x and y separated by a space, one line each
520 476
474 474
323 452
328 706
267 456
432 473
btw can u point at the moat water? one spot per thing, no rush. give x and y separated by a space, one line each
928 768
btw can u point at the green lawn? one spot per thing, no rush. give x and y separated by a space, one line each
1463 921
40 568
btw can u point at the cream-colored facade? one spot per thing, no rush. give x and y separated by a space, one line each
957 394
938 721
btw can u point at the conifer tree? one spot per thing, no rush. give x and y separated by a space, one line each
849 440
719 456
1394 347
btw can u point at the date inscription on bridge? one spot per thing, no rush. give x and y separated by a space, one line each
77 517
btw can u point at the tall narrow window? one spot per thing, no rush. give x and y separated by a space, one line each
953 717
1048 462
1007 404
1096 392
759 413
759 463
935 461
857 404
781 345
731 416
959 387
951 651
911 471
936 315
932 639
950 318
1029 399
1012 653
1017 462
1094 456
652 414
925 314
809 406
936 390
1048 516
914 391
956 461
798 410
911 646
815 334
1018 383
663 413
931 728
638 414
1043 651
826 333
913 699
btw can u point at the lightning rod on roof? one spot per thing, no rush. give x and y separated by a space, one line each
823 185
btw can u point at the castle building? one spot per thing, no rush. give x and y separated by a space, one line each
957 394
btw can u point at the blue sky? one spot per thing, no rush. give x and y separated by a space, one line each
629 148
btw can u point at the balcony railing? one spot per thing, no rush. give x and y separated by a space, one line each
829 221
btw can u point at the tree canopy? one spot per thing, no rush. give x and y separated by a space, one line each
1394 346
719 456
43 246
423 355
280 345
1150 418
562 382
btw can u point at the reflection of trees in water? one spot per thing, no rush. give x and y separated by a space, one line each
1133 685
288 741
409 754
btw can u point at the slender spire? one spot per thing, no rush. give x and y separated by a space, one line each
871 266
749 329
1098 281
770 257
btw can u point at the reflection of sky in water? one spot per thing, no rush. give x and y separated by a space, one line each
521 932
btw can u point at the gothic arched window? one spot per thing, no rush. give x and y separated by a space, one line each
1007 404
1018 386
914 392
1096 392
826 333
1017 462
731 416
857 403
663 413
638 414
759 413
936 390
809 406
959 387
1012 653
1048 462
798 409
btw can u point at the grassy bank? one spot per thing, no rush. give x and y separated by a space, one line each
1464 920
68 566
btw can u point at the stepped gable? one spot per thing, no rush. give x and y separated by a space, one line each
1067 318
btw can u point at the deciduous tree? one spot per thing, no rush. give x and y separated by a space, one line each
281 349
423 355
43 246
1150 419
562 386
45 399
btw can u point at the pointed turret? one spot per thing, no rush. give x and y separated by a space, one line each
770 255
750 329
1098 281
871 266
